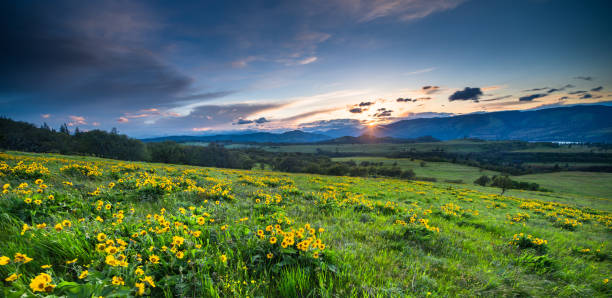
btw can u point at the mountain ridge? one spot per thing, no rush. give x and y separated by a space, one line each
579 123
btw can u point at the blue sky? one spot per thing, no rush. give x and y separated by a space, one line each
157 67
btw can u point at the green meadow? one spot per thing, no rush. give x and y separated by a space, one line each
84 227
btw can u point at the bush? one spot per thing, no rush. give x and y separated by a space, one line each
482 180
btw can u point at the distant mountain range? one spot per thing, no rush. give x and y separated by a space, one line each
371 139
294 136
580 123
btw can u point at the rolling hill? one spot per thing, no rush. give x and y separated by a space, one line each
584 123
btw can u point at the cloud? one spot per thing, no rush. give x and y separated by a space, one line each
356 110
492 88
260 120
466 94
366 103
577 92
531 97
205 96
45 116
535 89
563 98
586 96
77 120
308 114
412 115
560 89
101 52
123 120
330 124
497 98
382 113
405 99
404 10
430 89
420 71
214 117
307 60
243 62
597 89
585 78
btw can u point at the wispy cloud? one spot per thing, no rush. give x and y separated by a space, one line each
307 60
404 10
420 71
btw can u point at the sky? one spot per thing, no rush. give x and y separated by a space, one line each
155 68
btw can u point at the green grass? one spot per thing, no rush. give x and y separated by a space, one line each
582 183
592 188
458 245
439 170
452 146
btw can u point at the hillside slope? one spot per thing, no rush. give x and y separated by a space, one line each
105 227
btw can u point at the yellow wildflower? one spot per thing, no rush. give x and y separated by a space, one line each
12 277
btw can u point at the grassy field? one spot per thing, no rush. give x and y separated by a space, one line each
583 183
452 146
448 146
439 170
84 227
593 189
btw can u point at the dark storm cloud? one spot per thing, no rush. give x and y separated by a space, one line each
365 103
401 99
597 89
531 97
83 58
356 110
586 95
577 92
563 98
585 78
466 94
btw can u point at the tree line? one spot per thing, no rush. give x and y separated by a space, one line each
23 136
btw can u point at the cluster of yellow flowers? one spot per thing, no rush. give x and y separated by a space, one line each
455 210
519 217
414 219
303 239
82 169
32 170
519 238
262 197
42 283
